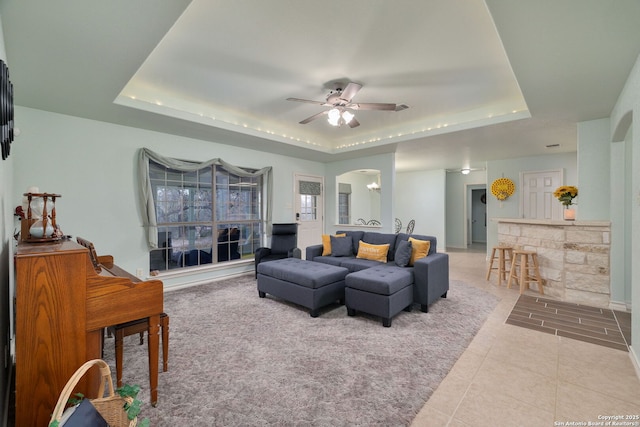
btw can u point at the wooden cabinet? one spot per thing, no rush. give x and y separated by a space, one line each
50 325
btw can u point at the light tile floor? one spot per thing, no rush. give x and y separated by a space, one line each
513 376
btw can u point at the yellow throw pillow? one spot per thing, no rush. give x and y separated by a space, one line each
419 249
373 252
326 243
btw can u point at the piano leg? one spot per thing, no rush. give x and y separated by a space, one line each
154 343
119 338
164 323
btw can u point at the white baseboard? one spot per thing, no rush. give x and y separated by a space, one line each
635 361
619 306
204 281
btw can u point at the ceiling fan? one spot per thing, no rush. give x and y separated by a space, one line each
340 101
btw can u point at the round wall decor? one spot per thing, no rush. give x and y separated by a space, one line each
503 188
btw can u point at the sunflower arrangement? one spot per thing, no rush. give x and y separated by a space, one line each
565 194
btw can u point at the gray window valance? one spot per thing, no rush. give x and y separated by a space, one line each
310 188
344 188
146 196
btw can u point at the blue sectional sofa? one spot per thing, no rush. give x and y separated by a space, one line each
429 276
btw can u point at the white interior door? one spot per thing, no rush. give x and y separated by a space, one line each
309 196
537 195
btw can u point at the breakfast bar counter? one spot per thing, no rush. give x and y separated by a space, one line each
574 256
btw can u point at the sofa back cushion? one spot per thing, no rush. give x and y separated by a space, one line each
381 239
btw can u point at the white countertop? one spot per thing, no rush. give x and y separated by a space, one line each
560 223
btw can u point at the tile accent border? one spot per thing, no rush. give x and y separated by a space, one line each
595 325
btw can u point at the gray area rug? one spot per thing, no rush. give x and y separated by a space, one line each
239 360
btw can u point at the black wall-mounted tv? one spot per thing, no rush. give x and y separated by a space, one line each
6 110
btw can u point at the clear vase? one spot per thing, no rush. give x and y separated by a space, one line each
569 213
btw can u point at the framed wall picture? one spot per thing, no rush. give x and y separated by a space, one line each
6 110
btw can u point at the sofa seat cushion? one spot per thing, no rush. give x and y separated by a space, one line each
382 279
357 264
309 274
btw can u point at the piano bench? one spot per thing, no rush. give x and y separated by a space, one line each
139 326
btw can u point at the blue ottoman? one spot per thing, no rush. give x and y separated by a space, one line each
383 291
310 284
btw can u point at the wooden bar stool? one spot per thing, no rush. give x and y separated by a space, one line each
525 272
505 256
139 326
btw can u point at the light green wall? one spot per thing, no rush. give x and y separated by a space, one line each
512 169
93 166
593 169
621 216
625 126
421 196
456 209
620 247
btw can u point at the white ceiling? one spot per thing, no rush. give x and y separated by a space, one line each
483 80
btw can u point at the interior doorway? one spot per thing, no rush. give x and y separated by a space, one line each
476 215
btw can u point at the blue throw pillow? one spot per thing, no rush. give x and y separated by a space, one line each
341 246
403 253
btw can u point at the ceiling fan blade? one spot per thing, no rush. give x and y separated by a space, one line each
401 107
312 118
350 91
373 106
307 101
354 123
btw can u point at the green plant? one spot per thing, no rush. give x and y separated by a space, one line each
133 408
126 391
565 194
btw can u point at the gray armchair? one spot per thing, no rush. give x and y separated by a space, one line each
284 242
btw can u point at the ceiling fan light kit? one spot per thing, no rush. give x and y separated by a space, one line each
338 118
340 103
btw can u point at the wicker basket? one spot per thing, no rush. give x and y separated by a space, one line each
110 407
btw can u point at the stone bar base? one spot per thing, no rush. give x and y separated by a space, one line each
573 256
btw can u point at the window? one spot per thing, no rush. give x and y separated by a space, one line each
344 203
209 215
308 207
309 192
343 208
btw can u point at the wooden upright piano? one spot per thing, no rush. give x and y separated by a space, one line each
62 305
